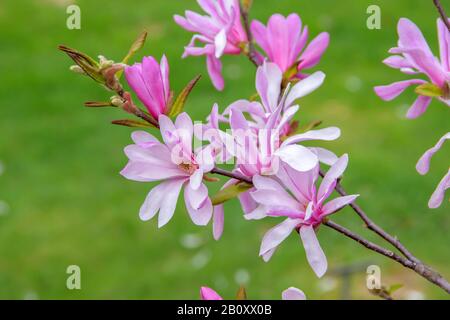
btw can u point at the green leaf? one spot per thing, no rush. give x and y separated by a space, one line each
132 123
85 62
178 104
241 294
429 90
135 47
230 192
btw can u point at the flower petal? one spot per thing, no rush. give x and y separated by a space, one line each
218 221
275 236
305 87
293 294
438 196
392 91
298 157
329 181
209 294
214 66
336 204
419 107
314 253
169 203
423 165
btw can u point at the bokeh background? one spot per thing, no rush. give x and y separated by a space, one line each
63 202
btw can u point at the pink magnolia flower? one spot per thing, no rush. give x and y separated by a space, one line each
220 31
150 81
423 166
297 199
176 165
283 40
268 85
291 293
413 56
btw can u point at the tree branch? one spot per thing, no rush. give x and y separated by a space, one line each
421 269
441 10
252 55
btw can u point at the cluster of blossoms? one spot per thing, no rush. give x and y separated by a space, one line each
275 174
413 56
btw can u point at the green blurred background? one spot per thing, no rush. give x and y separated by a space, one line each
62 201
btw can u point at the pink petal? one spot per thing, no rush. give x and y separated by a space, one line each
423 165
278 37
314 253
444 44
293 294
313 53
247 202
336 204
438 196
298 157
325 156
393 90
305 87
419 107
268 84
220 42
202 215
196 197
218 221
259 32
151 73
144 139
169 203
167 128
152 202
209 294
185 131
147 172
329 181
135 79
274 198
326 134
215 72
275 236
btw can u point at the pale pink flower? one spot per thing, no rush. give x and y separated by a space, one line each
413 56
220 31
295 196
284 39
150 81
291 293
423 166
268 85
176 165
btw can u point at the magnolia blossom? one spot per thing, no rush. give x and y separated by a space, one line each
150 81
176 165
291 293
284 39
268 85
413 56
294 196
220 31
423 166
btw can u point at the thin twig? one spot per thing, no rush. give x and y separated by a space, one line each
232 175
252 55
421 269
441 10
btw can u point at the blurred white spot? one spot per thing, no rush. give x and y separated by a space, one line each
31 295
415 295
233 71
327 284
191 241
242 277
353 84
201 259
4 208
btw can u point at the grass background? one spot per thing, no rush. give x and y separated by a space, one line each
63 201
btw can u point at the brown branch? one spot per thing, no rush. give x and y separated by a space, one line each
232 175
374 227
441 10
408 260
421 269
252 55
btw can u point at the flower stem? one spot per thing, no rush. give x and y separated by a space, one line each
252 55
441 10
